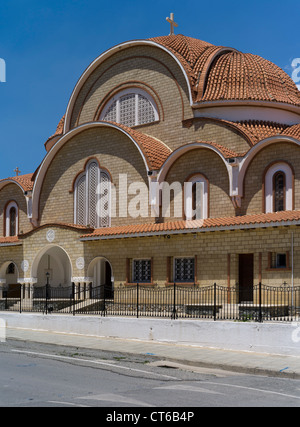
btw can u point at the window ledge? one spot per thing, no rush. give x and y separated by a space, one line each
279 269
191 284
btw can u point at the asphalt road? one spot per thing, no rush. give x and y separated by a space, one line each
41 375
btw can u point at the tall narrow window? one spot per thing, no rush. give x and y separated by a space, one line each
92 197
11 223
196 197
279 191
130 107
278 188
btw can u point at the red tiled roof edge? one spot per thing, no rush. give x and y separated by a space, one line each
195 225
155 151
25 181
10 241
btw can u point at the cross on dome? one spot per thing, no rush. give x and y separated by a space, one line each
172 23
17 170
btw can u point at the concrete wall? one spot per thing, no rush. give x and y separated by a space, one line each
272 338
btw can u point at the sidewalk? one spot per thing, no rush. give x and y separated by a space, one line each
187 354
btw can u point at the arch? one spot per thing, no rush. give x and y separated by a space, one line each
11 219
185 149
100 272
56 261
106 55
115 114
276 169
60 143
196 198
245 163
3 271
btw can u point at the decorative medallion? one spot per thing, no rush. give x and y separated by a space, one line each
25 265
50 235
80 263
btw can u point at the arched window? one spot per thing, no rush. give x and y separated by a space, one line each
279 188
92 197
11 223
279 191
196 197
130 107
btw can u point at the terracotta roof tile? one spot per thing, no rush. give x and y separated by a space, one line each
58 132
25 181
193 226
155 151
217 73
293 131
259 130
9 240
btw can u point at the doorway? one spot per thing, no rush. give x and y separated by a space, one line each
245 278
101 271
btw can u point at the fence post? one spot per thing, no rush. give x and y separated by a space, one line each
174 315
137 300
259 302
104 300
21 289
215 301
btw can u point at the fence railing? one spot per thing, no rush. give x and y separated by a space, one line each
268 303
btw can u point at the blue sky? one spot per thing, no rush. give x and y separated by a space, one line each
47 45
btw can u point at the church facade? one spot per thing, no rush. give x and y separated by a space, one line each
175 161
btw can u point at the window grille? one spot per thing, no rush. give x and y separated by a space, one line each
111 115
131 109
184 270
93 181
104 199
81 201
142 271
279 187
127 110
12 221
145 110
92 197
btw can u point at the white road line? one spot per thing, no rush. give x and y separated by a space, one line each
96 362
183 387
67 403
252 389
109 397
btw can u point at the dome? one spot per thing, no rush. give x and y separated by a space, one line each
218 73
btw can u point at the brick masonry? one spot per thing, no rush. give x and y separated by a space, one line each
154 71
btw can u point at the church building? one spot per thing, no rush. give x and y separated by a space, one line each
176 161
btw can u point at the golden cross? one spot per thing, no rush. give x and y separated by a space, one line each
172 23
17 171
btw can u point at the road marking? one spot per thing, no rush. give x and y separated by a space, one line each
182 387
252 389
115 398
97 362
67 403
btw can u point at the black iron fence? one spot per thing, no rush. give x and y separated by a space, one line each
268 303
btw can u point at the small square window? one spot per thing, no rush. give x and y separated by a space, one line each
142 271
278 260
281 261
184 270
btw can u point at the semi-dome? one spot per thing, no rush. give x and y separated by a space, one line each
218 73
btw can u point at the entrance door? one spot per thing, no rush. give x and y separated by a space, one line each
108 282
246 277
